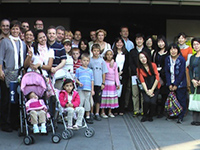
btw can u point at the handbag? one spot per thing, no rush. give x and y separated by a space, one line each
10 75
119 91
172 106
194 103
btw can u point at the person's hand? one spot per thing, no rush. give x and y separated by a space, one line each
171 88
195 83
150 93
53 70
80 84
34 67
118 87
2 75
102 86
174 88
30 54
92 92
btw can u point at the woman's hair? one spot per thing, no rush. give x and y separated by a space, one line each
15 23
149 63
153 41
182 34
161 37
174 45
101 30
68 81
36 43
124 50
87 48
195 39
68 42
69 33
105 58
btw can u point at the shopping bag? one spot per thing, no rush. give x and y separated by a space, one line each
119 91
172 106
194 103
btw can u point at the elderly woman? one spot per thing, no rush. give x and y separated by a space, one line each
176 77
194 70
12 55
101 34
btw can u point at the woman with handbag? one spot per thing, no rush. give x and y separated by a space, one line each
12 55
194 71
176 77
149 77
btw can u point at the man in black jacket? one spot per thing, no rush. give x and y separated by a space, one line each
139 40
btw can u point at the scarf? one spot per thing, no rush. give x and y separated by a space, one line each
16 56
172 62
184 46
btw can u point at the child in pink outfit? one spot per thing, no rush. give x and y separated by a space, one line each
109 94
37 110
70 101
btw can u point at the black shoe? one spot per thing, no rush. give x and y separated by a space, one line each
193 123
6 129
150 119
144 119
179 121
88 120
197 124
159 116
92 117
97 117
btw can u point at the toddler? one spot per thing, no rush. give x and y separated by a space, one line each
37 110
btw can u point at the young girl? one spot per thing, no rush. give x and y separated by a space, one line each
109 94
69 62
70 101
37 109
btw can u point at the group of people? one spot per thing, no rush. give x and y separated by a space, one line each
106 75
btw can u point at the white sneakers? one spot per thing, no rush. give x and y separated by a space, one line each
103 115
36 129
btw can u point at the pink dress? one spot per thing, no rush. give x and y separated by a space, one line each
109 94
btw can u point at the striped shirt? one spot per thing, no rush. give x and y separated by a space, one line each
85 76
59 53
77 65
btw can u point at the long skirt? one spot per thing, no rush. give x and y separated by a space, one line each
109 95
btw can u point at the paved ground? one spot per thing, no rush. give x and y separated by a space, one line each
119 133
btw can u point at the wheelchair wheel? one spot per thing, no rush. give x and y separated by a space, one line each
55 138
66 134
27 140
32 138
89 132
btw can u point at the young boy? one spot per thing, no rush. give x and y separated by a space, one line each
85 81
75 56
99 69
